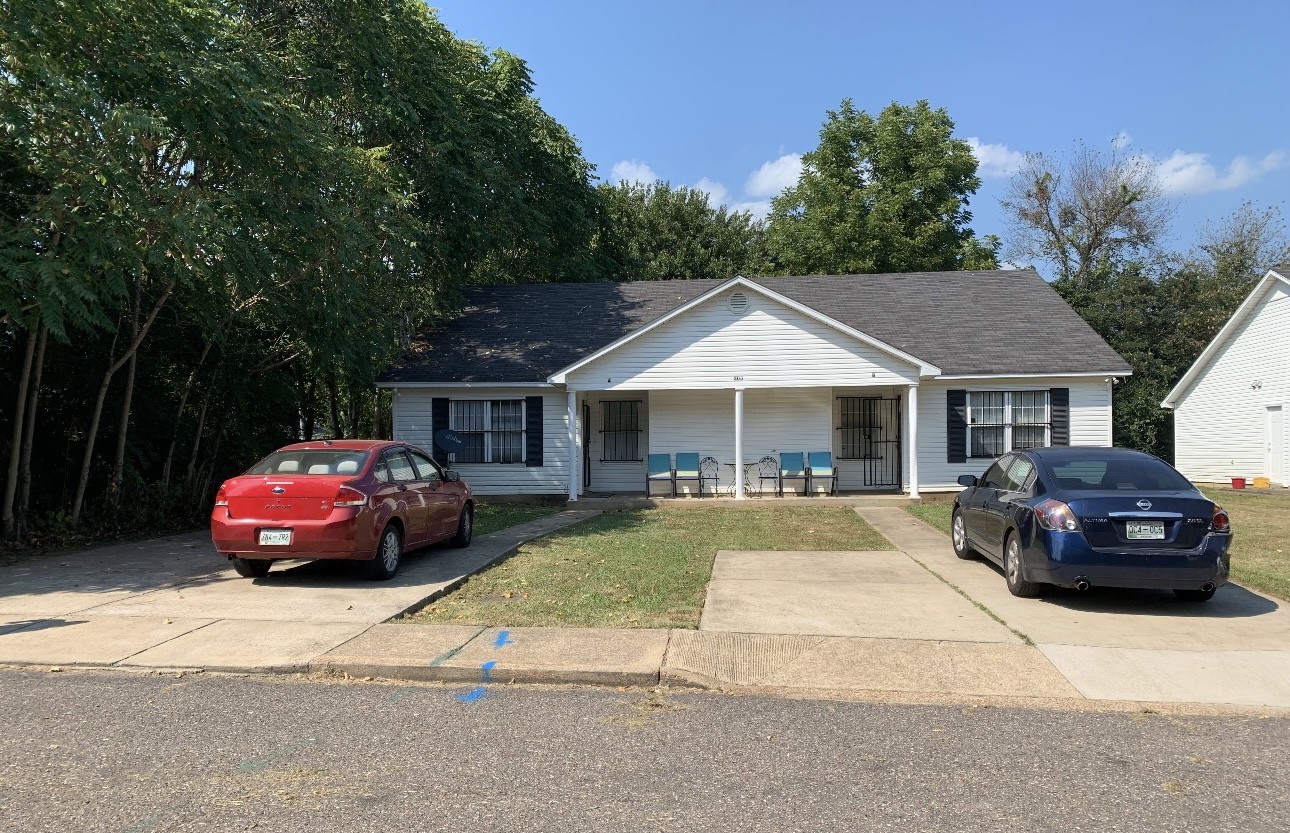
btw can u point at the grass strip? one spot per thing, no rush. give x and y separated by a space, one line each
644 568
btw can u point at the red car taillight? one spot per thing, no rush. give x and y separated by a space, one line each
349 496
1053 514
221 497
1221 522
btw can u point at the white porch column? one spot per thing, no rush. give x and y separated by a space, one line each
913 441
573 446
739 443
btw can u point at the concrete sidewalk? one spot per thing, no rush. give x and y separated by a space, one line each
913 622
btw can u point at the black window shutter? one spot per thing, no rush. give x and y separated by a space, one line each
956 426
438 422
1059 404
533 429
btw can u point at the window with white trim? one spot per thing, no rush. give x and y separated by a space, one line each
1003 421
622 431
492 429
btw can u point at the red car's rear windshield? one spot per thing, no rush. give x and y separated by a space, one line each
317 461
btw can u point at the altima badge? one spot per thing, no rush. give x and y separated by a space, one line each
1144 505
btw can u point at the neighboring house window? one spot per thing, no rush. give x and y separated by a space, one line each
1003 421
492 429
622 431
860 427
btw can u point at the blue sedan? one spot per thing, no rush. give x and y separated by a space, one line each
1086 517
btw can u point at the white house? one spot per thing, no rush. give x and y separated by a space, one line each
909 380
1229 407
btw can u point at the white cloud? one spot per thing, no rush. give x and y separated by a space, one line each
633 171
995 160
1121 141
760 209
718 194
774 176
1193 173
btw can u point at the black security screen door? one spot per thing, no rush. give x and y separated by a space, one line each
869 434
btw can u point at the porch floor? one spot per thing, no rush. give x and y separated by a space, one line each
606 502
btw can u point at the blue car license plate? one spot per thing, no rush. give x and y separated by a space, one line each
1144 530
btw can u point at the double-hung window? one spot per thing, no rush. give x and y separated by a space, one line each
622 430
492 430
1003 421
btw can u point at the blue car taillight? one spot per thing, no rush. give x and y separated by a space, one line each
1053 514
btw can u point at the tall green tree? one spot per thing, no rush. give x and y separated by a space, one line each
885 194
657 232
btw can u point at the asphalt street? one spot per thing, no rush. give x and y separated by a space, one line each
103 751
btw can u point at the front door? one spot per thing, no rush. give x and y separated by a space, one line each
1274 460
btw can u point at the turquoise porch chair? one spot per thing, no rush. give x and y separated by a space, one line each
687 468
658 469
792 467
820 467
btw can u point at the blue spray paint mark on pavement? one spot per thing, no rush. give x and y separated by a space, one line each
486 672
474 695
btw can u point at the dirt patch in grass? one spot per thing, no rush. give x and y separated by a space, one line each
1260 542
637 569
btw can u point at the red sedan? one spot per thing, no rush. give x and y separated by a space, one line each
362 500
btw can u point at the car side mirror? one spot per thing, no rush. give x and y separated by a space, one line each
450 476
967 480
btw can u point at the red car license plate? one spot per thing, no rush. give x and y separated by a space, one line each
275 537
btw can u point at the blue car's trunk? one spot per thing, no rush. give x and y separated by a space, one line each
1115 520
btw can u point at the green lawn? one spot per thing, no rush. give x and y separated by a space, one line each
645 568
490 517
1260 526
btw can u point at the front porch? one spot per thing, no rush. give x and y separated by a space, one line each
868 431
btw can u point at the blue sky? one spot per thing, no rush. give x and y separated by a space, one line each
727 95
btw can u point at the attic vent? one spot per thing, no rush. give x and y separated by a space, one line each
738 303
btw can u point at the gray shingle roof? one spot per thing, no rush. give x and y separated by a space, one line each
967 323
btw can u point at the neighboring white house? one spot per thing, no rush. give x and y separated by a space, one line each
1229 407
909 380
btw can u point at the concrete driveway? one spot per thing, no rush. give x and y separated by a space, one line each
172 603
1105 645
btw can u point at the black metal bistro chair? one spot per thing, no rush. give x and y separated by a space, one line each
709 472
767 468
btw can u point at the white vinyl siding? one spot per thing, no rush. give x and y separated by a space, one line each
768 345
1090 423
412 423
1220 421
